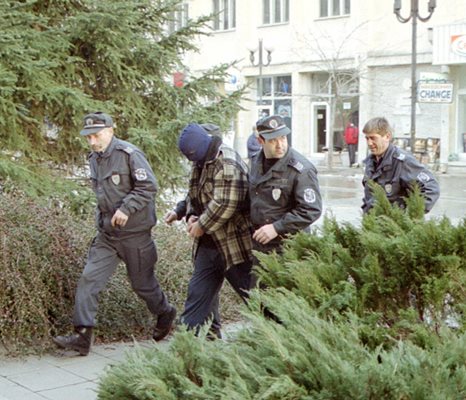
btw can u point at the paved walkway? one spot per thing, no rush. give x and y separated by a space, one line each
63 375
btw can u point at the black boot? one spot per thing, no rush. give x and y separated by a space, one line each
164 324
80 341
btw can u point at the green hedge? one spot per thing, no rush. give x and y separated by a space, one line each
43 246
369 312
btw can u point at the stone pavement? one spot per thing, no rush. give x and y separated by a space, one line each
62 375
65 375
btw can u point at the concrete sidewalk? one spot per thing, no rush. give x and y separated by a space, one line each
63 375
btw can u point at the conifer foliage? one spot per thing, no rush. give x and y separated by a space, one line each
60 59
370 312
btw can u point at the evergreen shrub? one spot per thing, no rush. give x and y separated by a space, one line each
369 312
43 249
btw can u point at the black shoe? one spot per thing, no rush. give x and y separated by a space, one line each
214 334
80 341
164 324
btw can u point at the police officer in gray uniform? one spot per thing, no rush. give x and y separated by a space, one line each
125 186
394 169
283 188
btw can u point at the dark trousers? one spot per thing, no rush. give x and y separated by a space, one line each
352 153
204 287
139 254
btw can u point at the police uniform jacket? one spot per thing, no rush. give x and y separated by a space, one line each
287 195
218 194
396 172
123 179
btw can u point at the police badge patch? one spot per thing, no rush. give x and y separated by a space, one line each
140 174
309 195
423 177
388 188
116 179
276 193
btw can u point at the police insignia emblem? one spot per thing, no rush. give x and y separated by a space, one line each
276 193
388 188
140 174
89 121
273 123
423 177
309 195
116 179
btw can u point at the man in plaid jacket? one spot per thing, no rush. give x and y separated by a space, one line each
217 214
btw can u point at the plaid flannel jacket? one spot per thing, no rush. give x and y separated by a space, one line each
220 190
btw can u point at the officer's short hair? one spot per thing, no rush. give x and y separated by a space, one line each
378 125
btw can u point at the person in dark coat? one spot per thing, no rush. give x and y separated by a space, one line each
125 186
253 144
396 170
283 188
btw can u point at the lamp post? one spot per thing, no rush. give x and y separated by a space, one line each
413 16
260 63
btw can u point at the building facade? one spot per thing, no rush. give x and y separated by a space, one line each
323 63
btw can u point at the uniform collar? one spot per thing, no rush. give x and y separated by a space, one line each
385 161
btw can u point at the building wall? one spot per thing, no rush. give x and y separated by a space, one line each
370 40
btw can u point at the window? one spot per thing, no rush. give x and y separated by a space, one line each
178 18
275 11
334 8
225 14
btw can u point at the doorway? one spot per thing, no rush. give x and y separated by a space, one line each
319 127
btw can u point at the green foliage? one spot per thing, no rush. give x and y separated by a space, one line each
46 185
375 312
401 273
43 249
62 59
304 357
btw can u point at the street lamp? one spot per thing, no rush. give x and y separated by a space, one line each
413 16
260 63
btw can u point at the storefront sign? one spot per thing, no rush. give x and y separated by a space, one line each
435 92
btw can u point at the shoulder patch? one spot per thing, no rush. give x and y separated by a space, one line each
297 165
140 174
400 157
423 177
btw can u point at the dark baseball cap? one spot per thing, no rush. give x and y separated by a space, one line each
95 122
271 127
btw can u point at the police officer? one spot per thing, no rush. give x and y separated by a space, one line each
283 187
124 185
394 169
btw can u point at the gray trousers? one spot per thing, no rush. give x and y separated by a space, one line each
139 254
204 287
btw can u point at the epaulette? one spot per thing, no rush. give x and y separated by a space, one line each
126 149
297 165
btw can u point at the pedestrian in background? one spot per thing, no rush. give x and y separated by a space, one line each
394 169
253 144
351 140
125 186
283 188
217 213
